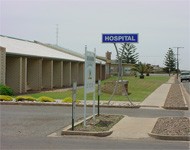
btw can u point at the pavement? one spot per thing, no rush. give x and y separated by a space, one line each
137 128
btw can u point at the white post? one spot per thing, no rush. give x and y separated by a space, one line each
94 93
85 90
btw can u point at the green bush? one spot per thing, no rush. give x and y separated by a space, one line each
25 98
5 98
45 99
5 90
69 100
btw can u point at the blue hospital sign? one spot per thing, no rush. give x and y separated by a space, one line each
119 38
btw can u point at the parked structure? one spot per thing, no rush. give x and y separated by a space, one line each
27 65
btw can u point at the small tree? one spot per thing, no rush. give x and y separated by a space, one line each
170 61
141 68
148 69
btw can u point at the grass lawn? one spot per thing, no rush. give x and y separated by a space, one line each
138 89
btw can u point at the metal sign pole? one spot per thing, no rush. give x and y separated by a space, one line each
73 103
94 93
85 91
120 74
99 92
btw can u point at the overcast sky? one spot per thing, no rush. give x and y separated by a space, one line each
161 24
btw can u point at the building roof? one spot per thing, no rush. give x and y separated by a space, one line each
29 48
61 49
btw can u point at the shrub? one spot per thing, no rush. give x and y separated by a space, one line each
5 98
25 98
45 99
5 90
69 100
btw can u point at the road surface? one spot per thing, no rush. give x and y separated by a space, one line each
27 127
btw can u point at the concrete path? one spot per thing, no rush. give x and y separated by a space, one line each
158 97
133 128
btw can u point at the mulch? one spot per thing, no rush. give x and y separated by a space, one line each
172 126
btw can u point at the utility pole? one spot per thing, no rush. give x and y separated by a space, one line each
177 60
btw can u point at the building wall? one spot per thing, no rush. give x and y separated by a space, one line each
80 74
66 74
2 65
27 73
97 72
74 72
14 73
47 74
57 74
104 73
126 69
34 74
24 75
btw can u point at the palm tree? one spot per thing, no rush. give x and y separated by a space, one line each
141 68
148 69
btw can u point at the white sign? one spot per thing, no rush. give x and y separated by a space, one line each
90 71
89 83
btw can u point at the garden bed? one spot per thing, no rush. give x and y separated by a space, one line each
172 128
175 98
99 127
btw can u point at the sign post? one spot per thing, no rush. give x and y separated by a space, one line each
99 92
120 38
74 103
89 76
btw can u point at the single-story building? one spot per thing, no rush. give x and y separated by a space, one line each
31 65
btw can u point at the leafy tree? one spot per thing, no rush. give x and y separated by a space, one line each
129 53
170 61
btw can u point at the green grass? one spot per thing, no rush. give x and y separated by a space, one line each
139 89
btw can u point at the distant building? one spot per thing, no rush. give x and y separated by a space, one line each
31 65
157 69
112 66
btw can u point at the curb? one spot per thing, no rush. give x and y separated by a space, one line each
85 133
185 94
184 100
169 137
182 92
64 104
67 131
176 108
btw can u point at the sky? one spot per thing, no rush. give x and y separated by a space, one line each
161 24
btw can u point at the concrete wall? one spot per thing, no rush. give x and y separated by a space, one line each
104 72
24 75
14 73
2 64
98 71
57 74
34 74
74 72
66 73
47 74
80 74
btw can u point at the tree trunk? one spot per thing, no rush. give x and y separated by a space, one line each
141 76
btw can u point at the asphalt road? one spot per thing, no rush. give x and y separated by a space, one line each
187 86
27 127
